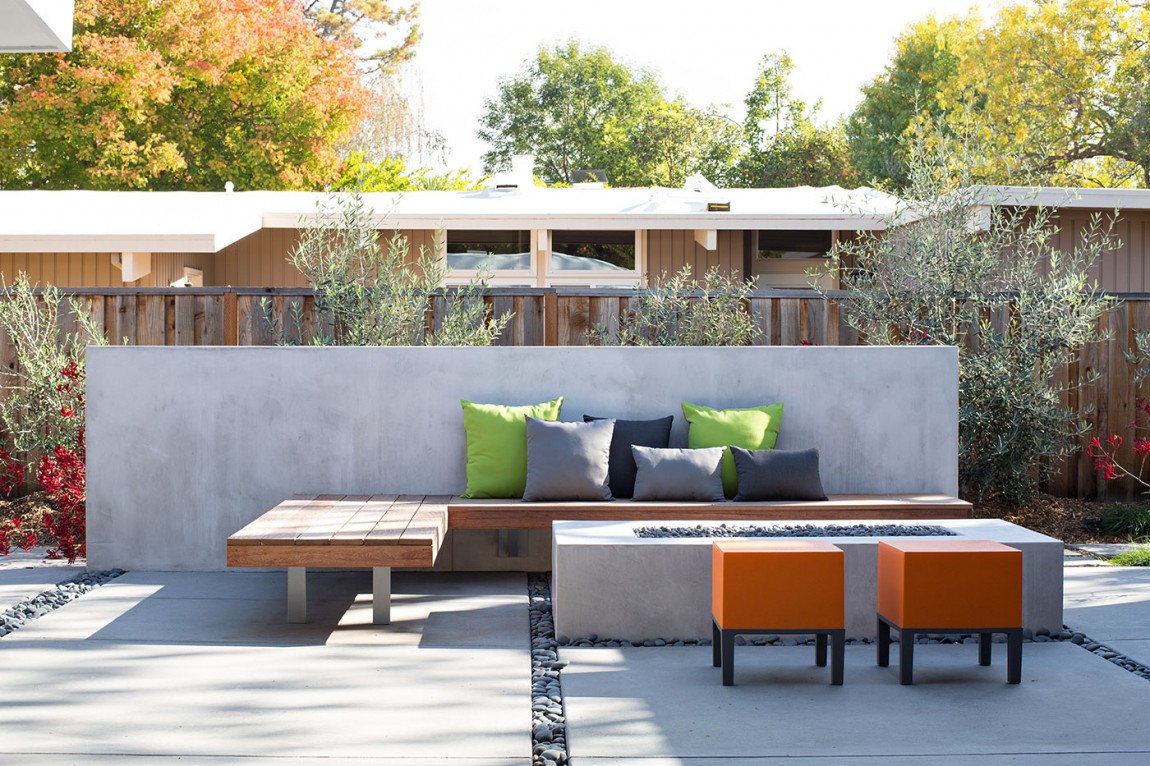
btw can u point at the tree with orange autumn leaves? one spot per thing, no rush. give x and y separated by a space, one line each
181 94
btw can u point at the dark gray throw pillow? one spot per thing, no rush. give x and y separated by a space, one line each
678 474
776 474
628 433
568 461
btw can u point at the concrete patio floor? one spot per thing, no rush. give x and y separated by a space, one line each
202 668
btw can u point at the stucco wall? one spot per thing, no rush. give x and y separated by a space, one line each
186 445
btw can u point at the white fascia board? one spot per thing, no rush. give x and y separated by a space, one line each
110 243
36 26
1056 197
584 222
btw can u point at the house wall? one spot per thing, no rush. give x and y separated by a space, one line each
261 258
97 270
1126 269
187 445
669 250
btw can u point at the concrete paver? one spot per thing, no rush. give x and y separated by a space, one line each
23 574
1112 605
204 666
670 703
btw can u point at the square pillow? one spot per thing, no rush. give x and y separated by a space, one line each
497 446
645 433
749 428
777 474
568 461
678 474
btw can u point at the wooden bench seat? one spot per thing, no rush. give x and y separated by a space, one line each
515 514
385 531
377 531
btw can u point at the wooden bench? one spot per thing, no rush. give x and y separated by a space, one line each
377 531
515 514
385 531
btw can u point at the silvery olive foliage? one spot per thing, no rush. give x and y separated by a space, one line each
681 311
959 266
369 293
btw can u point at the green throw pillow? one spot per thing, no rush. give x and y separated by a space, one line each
749 428
497 446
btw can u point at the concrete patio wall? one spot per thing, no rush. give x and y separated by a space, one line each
187 445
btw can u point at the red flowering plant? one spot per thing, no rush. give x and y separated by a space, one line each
1105 453
42 410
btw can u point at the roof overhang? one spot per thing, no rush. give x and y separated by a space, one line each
1062 197
36 26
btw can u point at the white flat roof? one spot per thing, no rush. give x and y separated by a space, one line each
36 26
207 222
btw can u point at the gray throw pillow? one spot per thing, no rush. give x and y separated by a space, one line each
678 474
776 474
568 461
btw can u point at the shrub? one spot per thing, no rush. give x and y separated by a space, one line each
1131 522
43 409
682 312
380 296
999 291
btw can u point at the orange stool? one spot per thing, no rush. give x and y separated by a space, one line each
777 586
949 586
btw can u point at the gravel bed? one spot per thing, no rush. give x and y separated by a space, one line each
61 593
548 718
797 530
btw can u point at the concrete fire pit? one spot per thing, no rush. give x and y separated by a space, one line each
609 583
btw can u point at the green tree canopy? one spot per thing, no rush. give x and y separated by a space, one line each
782 143
180 94
580 109
1054 91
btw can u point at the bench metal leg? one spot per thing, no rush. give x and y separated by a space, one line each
716 644
381 595
297 594
821 650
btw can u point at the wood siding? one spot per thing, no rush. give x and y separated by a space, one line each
261 258
669 251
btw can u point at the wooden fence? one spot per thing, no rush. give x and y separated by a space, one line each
563 316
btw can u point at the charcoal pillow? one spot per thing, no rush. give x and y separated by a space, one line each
628 433
568 461
678 474
776 474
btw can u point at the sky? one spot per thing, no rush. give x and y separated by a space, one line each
707 52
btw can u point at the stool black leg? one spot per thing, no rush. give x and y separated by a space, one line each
821 650
716 644
1014 656
728 640
905 657
838 655
883 643
984 649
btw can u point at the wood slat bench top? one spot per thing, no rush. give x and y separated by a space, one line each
516 514
344 530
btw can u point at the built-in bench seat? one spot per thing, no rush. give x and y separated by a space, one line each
516 514
385 531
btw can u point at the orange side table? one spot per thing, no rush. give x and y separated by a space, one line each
949 586
777 586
